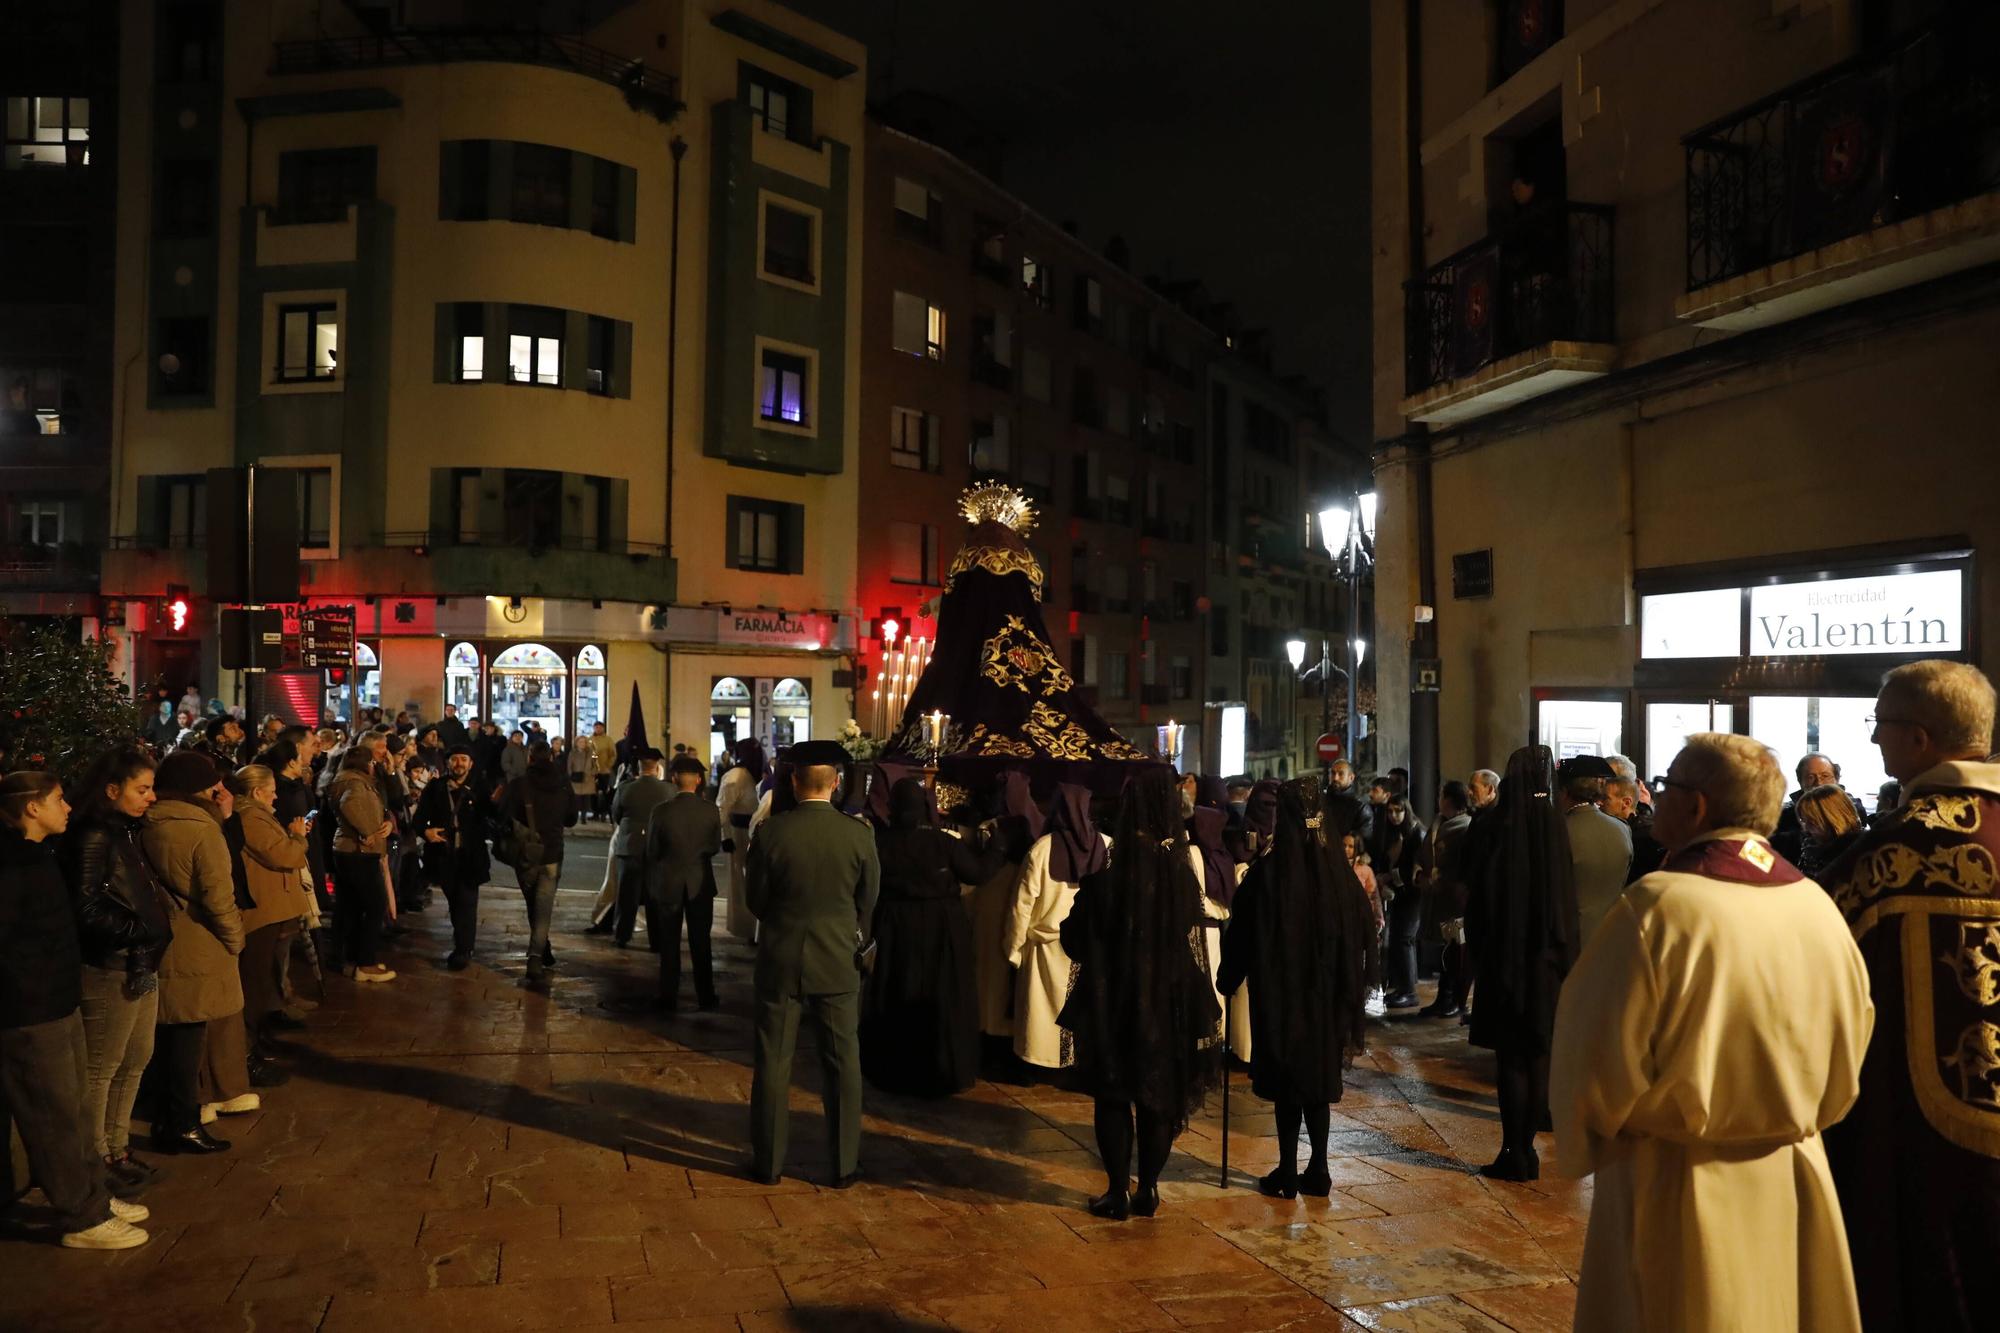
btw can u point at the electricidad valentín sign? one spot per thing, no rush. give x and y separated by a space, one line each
1883 614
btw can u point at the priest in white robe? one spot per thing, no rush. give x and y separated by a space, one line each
1046 890
1714 1025
736 797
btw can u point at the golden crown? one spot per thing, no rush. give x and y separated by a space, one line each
997 502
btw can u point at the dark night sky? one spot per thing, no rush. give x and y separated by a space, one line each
1226 140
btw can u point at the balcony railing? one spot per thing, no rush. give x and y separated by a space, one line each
1544 278
1868 142
646 89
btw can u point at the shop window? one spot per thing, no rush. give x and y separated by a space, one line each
1571 727
321 184
783 387
187 198
765 535
180 367
1708 623
913 440
790 250
47 132
308 342
791 713
919 211
529 683
534 345
461 681
541 185
918 327
913 554
592 703
1795 726
777 106
1668 725
729 716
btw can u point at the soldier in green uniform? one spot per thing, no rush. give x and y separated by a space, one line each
811 880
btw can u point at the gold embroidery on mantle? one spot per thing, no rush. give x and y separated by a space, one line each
998 561
1057 735
1977 1061
1975 963
1017 656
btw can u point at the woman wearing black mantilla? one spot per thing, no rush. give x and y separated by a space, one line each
1141 1006
1302 933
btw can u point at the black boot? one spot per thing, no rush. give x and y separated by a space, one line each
1282 1183
1112 1204
1146 1202
196 1140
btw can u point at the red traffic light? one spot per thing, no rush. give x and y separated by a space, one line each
336 675
177 614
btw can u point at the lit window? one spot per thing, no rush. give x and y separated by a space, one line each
471 357
782 392
308 342
1035 279
918 327
534 345
47 132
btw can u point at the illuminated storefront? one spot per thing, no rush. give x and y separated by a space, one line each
1790 653
560 686
777 711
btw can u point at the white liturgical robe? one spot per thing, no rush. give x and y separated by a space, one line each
1713 1026
1034 944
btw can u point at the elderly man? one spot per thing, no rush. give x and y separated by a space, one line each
1712 1028
1815 770
1918 1163
1600 847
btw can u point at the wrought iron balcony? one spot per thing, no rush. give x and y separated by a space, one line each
1867 142
1860 153
1545 278
646 89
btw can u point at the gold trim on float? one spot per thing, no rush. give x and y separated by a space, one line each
996 560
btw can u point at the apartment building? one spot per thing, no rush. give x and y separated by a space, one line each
1684 320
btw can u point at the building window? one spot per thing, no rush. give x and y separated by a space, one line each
1117 410
315 507
534 345
588 522
766 535
1035 280
1089 302
604 207
180 369
1036 378
541 184
1116 677
187 198
465 180
320 184
919 212
468 342
913 440
1180 678
989 249
308 342
38 400
913 554
38 523
777 106
600 350
531 508
186 41
781 394
790 243
918 327
47 132
180 517
993 446
465 505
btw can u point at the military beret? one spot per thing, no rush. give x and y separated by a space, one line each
807 754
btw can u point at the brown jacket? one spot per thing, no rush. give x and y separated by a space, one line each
272 859
357 803
198 977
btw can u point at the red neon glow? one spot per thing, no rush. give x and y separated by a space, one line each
177 613
889 631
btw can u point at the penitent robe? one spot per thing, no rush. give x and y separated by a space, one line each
1713 1027
1034 945
737 799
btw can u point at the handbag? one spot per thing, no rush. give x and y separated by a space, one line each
520 845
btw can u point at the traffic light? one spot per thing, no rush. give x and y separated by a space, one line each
336 675
176 609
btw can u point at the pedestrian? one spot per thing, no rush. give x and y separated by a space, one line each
1444 896
1813 770
225 1083
812 879
1521 922
44 1065
1398 856
1622 803
1829 823
539 800
124 924
360 841
1600 847
736 797
1044 897
1141 1005
451 821
920 1002
604 753
682 836
514 758
1301 931
1711 1030
184 844
273 859
580 762
632 806
451 731
1917 1162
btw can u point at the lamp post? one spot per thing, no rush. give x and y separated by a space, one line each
1354 552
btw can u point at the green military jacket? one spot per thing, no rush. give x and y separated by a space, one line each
811 879
683 834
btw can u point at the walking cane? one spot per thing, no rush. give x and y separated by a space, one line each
1225 1114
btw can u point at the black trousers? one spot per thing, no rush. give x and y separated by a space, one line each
1454 984
357 906
700 915
461 896
1114 1143
43 1068
177 1050
1317 1117
631 894
1400 962
1523 1091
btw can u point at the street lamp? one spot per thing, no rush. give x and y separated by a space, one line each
1348 532
1295 649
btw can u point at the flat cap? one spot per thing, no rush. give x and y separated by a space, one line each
807 754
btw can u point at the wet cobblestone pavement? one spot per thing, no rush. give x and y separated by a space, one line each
455 1151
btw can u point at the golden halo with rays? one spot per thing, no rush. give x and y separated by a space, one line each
997 502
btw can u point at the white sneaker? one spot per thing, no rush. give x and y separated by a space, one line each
243 1105
208 1112
129 1212
376 973
110 1234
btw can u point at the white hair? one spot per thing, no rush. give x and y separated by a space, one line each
1953 701
1739 776
1623 767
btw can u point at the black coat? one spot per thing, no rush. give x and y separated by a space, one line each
462 813
119 905
682 836
41 964
544 791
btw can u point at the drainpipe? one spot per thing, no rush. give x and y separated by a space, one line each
1423 739
679 149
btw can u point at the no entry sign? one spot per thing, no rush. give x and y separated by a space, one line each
1329 747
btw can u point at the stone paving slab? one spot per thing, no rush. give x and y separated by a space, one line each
456 1151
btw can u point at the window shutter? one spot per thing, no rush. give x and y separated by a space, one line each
795 539
732 516
443 484
450 158
628 204
582 167
621 359
499 183
576 332
617 525
445 353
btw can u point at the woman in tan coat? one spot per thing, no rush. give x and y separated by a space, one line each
274 854
198 979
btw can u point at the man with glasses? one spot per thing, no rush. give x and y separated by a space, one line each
1918 1161
1711 1030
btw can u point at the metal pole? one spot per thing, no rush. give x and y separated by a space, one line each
1225 1102
1353 633
1326 700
